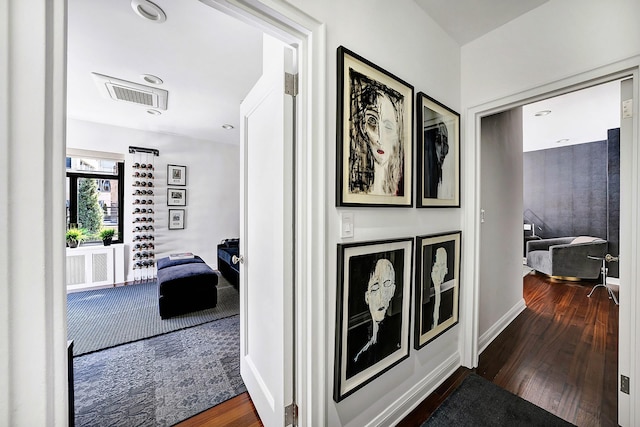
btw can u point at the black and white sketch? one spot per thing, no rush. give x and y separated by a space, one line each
372 331
176 175
437 285
439 154
176 219
374 134
176 197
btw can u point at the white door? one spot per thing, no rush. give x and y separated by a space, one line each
266 235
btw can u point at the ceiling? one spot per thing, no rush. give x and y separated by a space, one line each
209 61
466 20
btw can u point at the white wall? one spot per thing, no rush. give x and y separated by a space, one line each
556 40
501 233
213 202
402 39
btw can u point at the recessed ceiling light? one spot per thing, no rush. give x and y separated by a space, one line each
227 126
543 113
148 10
154 112
150 78
562 141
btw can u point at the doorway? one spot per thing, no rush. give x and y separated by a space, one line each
304 173
502 272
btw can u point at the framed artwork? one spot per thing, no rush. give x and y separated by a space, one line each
372 311
374 135
176 175
176 197
176 219
437 285
438 151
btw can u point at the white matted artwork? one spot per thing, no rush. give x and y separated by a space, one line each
176 219
176 197
176 175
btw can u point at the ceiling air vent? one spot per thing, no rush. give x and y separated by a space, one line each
122 90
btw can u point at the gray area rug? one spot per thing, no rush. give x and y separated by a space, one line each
103 318
162 380
478 402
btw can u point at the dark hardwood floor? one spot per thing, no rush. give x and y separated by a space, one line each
561 354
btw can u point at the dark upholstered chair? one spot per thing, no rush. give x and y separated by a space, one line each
567 256
185 285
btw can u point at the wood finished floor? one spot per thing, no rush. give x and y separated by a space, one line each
561 354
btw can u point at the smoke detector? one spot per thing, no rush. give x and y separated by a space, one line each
134 93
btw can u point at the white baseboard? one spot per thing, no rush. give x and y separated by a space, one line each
406 403
500 325
615 281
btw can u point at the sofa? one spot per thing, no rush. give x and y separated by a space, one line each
185 285
229 270
567 257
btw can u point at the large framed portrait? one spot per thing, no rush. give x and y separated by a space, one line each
176 197
374 135
176 175
437 285
438 155
372 311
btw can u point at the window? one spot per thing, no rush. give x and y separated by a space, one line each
95 196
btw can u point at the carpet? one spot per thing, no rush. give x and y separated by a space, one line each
478 402
162 380
103 318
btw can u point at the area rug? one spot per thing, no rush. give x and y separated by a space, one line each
103 318
162 380
478 402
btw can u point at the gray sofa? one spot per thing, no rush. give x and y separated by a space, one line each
567 256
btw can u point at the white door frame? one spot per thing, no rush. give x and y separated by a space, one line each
33 361
294 27
629 322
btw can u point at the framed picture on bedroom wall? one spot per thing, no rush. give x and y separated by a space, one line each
372 311
176 219
374 135
176 175
437 284
438 148
176 197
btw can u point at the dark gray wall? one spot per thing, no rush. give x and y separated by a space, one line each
575 191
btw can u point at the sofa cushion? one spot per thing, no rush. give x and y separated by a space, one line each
166 262
584 239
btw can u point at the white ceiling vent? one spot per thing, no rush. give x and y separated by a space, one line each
122 90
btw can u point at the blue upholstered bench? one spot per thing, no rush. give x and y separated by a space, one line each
185 285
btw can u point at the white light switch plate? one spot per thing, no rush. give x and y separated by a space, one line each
346 224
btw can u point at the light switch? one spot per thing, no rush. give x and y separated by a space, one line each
346 224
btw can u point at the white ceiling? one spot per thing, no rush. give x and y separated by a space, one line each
466 20
209 62
579 117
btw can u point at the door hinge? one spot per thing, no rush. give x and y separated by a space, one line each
291 84
624 384
291 415
627 108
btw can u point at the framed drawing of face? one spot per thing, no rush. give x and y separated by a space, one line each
438 135
374 135
372 311
437 284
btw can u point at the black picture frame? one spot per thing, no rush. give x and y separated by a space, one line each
176 219
437 291
373 311
438 168
176 197
368 177
176 175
